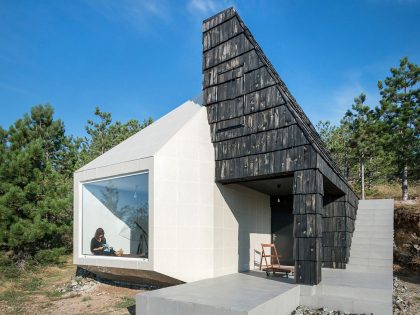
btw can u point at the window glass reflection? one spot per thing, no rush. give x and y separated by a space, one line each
116 217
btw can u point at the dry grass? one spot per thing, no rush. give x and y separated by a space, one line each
393 190
38 292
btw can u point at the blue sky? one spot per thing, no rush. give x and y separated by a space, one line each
137 59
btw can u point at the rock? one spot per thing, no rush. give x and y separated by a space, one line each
79 285
400 298
304 310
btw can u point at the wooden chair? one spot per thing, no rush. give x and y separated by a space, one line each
274 265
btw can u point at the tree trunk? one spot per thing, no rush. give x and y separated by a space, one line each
404 182
370 175
362 171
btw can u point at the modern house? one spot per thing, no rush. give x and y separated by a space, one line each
194 195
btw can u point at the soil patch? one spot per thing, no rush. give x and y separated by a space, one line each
54 290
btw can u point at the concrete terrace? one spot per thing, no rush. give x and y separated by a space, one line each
365 286
241 293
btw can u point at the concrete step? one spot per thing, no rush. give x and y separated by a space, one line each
368 269
375 219
379 221
372 219
374 228
363 235
365 286
376 203
387 212
375 211
372 262
381 242
342 291
353 291
370 209
371 247
349 304
368 251
375 235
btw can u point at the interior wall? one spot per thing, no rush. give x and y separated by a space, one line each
119 205
242 218
98 215
183 186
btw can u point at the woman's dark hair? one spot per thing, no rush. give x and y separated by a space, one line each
99 231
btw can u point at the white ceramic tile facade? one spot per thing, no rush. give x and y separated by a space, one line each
184 193
197 229
242 222
218 227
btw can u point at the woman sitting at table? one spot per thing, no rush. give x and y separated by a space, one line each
98 245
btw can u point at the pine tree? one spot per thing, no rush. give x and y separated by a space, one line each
37 162
362 122
104 135
401 113
337 141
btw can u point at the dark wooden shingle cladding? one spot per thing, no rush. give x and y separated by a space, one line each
259 131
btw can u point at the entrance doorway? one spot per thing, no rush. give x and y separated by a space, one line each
282 227
280 190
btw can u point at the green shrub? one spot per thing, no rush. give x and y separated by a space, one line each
86 298
8 268
31 284
54 294
126 302
50 256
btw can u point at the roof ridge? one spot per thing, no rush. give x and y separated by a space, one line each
232 8
153 137
297 110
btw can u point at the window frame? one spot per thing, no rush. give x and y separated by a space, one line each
80 226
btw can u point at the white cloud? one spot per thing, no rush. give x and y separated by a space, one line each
12 88
401 2
135 13
205 8
342 99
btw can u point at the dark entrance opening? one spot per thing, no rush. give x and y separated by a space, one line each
281 199
282 227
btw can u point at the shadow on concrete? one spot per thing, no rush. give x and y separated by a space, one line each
280 277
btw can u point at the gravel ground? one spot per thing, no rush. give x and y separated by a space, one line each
304 310
406 297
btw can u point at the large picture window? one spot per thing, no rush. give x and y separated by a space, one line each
115 216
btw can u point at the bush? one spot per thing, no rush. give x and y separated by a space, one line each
8 268
50 256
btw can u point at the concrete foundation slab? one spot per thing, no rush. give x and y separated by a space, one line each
365 286
242 293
